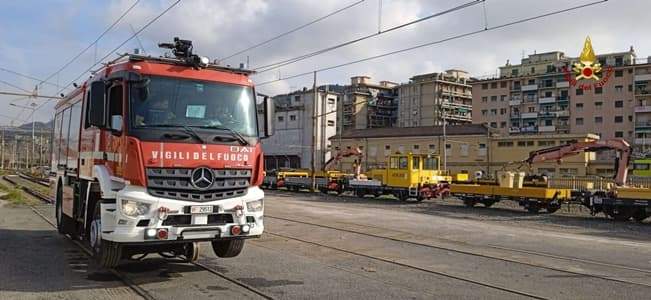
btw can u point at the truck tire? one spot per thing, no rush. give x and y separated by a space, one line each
65 224
191 252
107 253
227 248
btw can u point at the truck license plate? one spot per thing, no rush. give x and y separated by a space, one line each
206 209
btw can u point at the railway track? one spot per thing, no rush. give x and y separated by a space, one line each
118 274
521 251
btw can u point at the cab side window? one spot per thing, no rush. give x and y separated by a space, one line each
115 103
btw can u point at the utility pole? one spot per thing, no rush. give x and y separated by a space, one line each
2 161
314 132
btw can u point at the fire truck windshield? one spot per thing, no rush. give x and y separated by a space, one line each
169 102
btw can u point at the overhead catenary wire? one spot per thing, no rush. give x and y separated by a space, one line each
14 86
114 50
454 37
278 64
73 59
27 76
292 30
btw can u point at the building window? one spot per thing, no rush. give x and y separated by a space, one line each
493 98
598 90
503 125
619 134
503 84
281 118
297 98
619 88
493 125
514 72
502 111
484 86
579 92
579 121
630 118
598 104
431 147
619 73
416 147
546 143
630 87
522 144
503 98
619 103
494 112
292 118
619 119
505 144
533 70
484 99
387 147
598 119
579 107
493 85
331 123
463 150
331 101
532 109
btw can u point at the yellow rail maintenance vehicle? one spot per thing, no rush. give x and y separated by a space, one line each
510 186
406 176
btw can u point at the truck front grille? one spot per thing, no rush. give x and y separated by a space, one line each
175 183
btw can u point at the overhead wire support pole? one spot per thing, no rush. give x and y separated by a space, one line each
29 95
291 31
454 37
314 132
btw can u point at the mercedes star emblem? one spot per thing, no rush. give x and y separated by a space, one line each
202 178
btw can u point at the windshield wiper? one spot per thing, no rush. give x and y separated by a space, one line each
186 129
233 133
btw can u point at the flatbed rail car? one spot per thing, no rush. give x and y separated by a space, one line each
621 204
531 198
407 176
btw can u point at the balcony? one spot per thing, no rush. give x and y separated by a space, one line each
514 130
562 113
544 100
643 109
643 141
529 129
643 77
563 84
529 87
563 98
643 126
515 115
515 102
531 115
551 128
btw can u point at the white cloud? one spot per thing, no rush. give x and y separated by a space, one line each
219 28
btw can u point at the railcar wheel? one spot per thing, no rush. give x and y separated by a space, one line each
552 208
191 252
533 207
621 213
488 203
469 202
640 214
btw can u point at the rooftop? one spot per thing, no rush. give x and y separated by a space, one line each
469 129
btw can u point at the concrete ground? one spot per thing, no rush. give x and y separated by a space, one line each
318 246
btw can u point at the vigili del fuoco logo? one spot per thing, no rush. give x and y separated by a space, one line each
587 72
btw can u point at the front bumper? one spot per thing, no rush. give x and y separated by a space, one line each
120 228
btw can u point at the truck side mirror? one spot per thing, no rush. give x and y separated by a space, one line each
269 114
97 104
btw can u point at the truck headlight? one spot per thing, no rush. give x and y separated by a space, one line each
256 205
134 208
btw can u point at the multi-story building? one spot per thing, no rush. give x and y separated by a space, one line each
368 105
295 141
429 98
534 97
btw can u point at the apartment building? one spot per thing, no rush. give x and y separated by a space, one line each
469 148
292 144
429 98
534 97
368 105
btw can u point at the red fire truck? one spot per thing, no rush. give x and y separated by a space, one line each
156 154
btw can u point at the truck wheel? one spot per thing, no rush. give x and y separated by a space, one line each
107 253
191 252
228 248
64 223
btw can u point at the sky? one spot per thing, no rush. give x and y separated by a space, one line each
40 36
